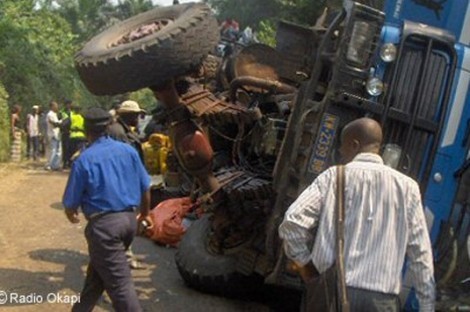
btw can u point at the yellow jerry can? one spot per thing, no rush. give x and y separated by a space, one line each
155 153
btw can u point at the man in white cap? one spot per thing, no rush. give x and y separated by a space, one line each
32 128
127 120
121 129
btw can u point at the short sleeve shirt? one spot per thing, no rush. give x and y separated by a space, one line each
107 176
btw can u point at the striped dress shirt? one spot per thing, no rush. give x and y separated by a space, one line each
384 222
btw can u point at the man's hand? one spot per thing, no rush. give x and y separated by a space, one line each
147 230
72 215
307 272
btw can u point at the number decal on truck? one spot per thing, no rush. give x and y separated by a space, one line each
323 144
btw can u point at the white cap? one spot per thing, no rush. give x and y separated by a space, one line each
130 107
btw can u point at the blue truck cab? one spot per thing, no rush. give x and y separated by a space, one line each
439 61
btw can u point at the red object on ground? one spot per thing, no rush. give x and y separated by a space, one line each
167 219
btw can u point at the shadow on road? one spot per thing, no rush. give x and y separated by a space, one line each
14 281
36 285
57 205
72 261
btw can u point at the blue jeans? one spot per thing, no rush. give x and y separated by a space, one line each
54 159
33 148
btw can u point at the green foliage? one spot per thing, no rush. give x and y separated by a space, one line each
88 17
303 12
145 98
4 126
247 13
37 51
39 39
128 8
267 33
250 13
263 15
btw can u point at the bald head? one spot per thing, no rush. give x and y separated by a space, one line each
363 135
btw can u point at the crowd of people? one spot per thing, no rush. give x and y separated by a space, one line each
59 136
53 134
56 134
231 35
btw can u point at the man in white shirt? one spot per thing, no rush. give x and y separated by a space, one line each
32 128
384 222
53 137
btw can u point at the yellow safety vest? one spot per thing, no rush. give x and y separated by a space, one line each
77 126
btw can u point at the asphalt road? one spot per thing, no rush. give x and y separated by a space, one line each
44 257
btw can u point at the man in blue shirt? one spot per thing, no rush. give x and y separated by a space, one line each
108 182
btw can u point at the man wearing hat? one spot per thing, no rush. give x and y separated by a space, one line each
108 182
121 129
127 119
32 129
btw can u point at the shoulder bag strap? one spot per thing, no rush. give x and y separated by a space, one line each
339 211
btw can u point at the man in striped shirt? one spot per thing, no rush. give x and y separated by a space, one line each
384 222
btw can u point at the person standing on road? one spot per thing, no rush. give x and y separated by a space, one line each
42 120
32 128
77 131
384 222
53 137
16 133
108 182
122 129
65 141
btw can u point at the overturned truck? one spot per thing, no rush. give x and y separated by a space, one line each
254 129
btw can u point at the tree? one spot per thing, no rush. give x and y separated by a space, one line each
263 14
128 8
85 17
247 13
89 17
44 43
303 12
37 52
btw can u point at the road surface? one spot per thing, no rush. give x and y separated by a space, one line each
44 257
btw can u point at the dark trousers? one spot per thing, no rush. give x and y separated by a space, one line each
28 146
360 300
33 147
367 300
42 146
75 145
108 237
65 141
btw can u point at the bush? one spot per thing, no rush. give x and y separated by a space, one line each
267 33
4 126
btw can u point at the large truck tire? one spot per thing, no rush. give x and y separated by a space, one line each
209 272
148 49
